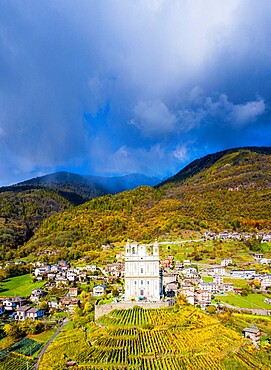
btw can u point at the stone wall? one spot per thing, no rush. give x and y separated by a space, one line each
104 309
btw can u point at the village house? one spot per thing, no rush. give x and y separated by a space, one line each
11 304
36 294
209 287
265 261
98 290
265 282
91 268
258 256
71 276
21 313
216 270
68 303
34 313
61 280
178 265
26 312
82 277
190 273
203 298
115 269
188 291
226 261
243 274
168 262
169 277
226 287
171 289
266 238
41 271
53 304
219 280
73 292
55 268
51 276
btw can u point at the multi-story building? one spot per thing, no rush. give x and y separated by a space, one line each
143 278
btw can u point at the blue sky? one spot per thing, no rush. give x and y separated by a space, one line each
115 87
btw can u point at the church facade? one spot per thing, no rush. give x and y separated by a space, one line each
143 279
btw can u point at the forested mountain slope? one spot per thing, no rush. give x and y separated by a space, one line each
234 193
75 188
23 206
22 212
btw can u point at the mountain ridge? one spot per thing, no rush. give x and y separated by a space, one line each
208 160
234 193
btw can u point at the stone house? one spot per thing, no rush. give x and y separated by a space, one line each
253 333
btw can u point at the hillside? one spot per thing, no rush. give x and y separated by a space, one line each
79 189
25 205
118 184
76 188
232 193
204 163
21 214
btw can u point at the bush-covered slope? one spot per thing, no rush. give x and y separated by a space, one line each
233 193
204 163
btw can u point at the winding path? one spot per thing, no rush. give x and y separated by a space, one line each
65 322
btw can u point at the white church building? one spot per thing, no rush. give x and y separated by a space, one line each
143 279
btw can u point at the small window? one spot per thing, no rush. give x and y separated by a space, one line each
141 270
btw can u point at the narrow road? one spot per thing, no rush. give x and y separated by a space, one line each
36 366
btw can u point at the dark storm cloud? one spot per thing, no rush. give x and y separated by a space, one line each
121 86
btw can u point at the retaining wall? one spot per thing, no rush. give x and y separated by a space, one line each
104 309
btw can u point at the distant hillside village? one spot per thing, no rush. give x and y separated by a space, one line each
138 275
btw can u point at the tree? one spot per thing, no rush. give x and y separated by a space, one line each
211 309
14 330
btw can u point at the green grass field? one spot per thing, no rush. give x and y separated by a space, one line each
253 300
19 286
237 283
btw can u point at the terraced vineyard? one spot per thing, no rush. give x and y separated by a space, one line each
19 355
154 339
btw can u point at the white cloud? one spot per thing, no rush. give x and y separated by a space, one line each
199 111
154 161
153 118
181 153
248 112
